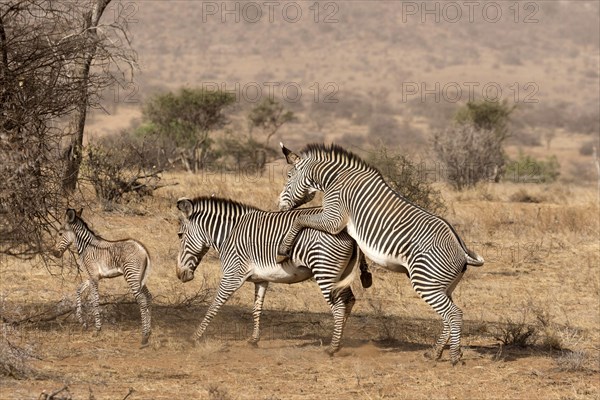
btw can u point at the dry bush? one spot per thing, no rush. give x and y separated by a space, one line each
13 358
587 148
388 325
218 393
115 174
572 361
524 196
470 155
516 333
408 178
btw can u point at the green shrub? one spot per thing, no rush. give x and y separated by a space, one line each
527 169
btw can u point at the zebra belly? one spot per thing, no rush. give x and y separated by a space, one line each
398 263
280 273
107 271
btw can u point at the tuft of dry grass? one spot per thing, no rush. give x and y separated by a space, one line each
536 287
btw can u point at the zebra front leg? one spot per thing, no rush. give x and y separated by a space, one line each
284 249
144 300
332 223
260 289
226 289
78 307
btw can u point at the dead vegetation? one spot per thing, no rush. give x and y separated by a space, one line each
526 309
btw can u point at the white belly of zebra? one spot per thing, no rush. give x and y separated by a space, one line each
109 271
397 263
287 272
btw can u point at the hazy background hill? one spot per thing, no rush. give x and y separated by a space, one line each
371 57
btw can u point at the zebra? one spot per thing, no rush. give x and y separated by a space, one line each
107 259
389 229
246 239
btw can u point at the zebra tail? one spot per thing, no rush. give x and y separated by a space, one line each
474 259
349 273
147 268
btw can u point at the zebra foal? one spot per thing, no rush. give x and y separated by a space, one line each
246 239
389 229
107 259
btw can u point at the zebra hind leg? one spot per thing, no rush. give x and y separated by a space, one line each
442 341
452 317
144 300
260 289
78 307
341 308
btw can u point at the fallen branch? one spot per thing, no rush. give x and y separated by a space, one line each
44 317
52 396
131 390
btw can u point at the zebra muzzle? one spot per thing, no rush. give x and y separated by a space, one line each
185 274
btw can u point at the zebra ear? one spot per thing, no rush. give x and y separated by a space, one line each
290 156
71 214
185 206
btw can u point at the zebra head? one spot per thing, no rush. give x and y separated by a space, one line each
298 189
66 235
193 242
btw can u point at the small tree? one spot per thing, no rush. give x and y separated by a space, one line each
472 149
486 115
269 116
48 54
186 118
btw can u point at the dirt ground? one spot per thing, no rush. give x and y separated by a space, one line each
539 292
382 354
290 362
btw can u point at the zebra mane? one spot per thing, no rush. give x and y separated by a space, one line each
220 205
338 155
80 220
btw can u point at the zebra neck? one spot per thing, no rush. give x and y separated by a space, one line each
84 239
221 228
329 175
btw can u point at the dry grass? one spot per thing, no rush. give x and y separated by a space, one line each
541 272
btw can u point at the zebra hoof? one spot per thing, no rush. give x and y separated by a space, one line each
433 354
145 341
253 343
458 359
366 279
331 351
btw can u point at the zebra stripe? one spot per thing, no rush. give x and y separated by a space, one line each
389 229
246 239
101 259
